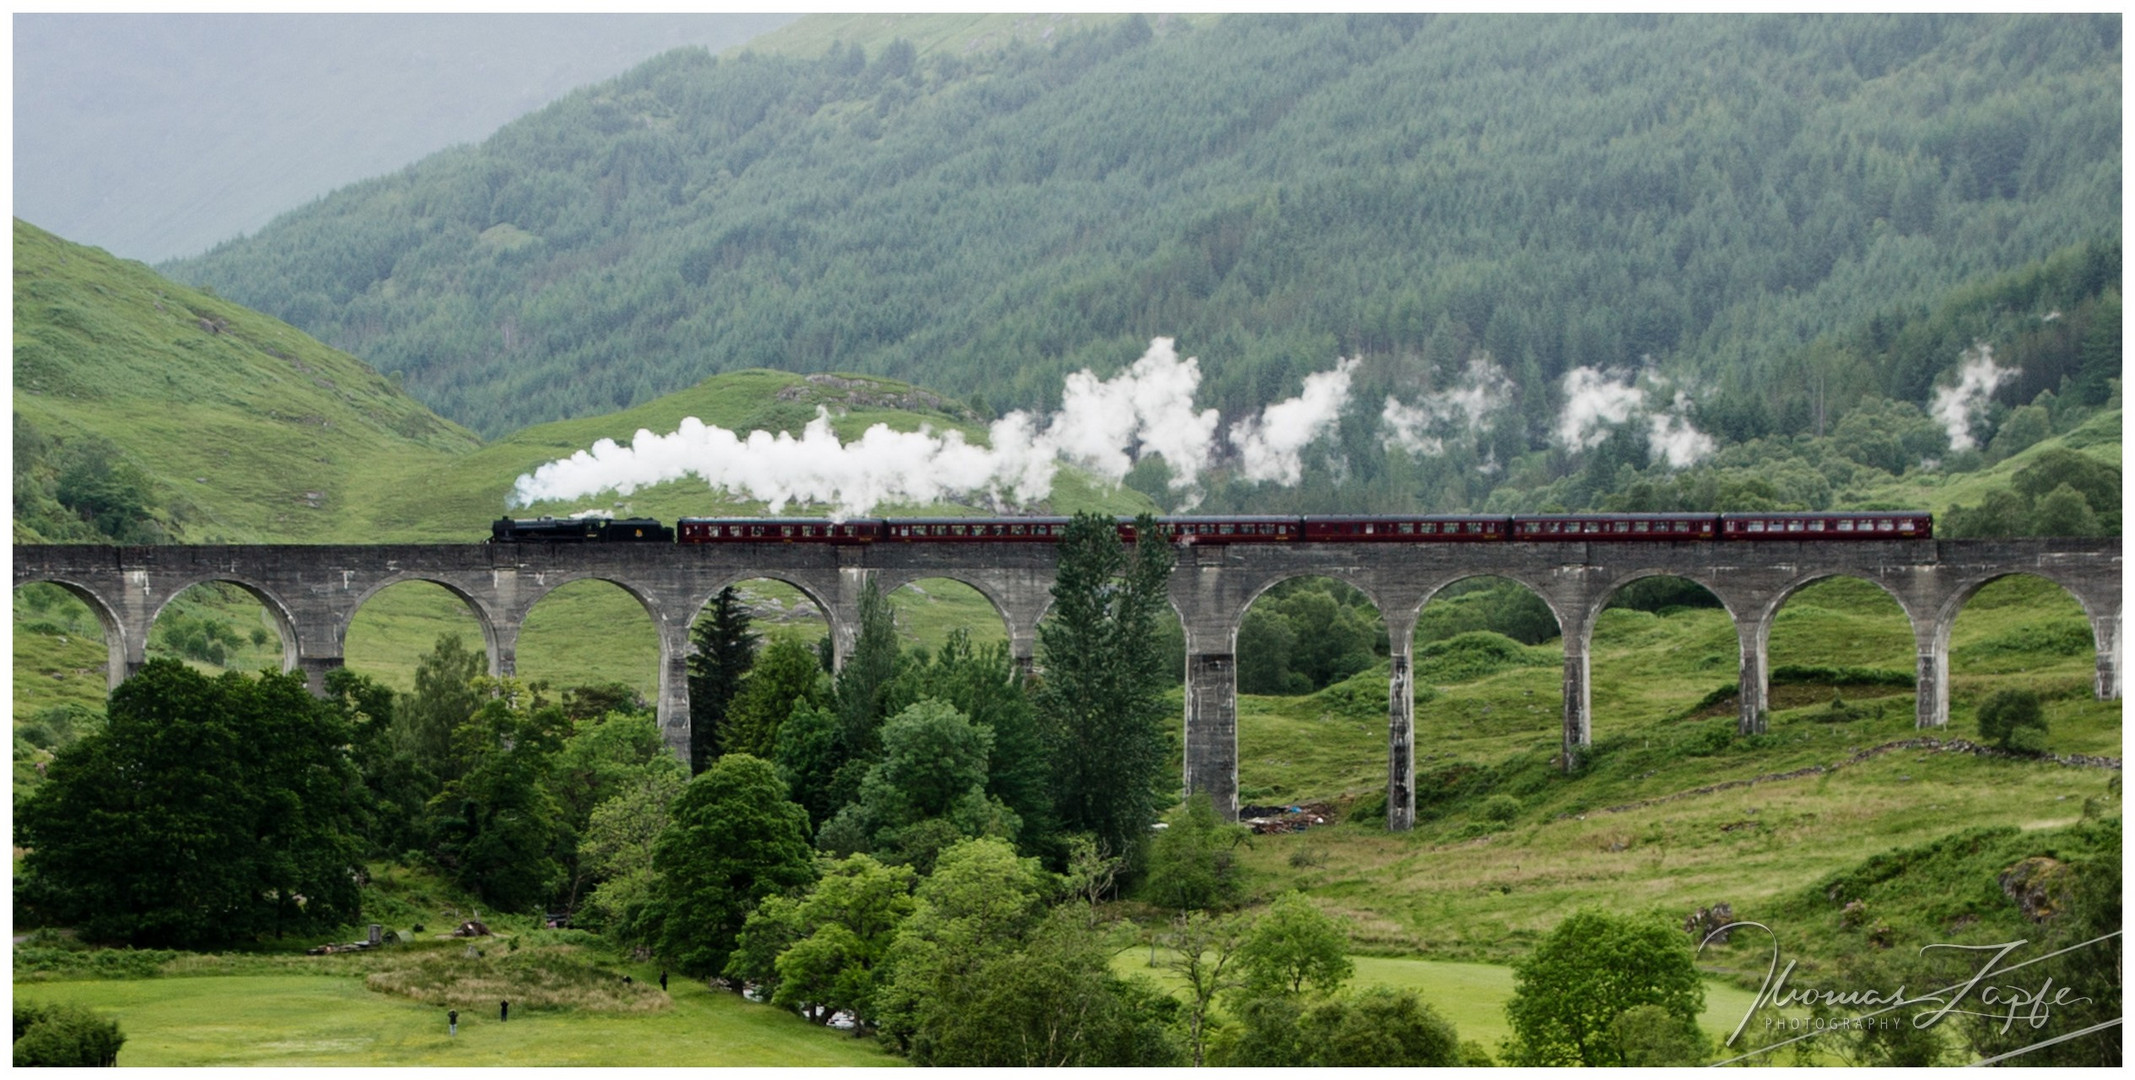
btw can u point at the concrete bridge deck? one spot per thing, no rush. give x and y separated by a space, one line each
312 591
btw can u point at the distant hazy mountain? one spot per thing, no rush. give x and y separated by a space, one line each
156 136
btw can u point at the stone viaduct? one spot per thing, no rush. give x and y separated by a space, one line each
312 591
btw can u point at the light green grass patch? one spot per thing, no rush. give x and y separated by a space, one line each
318 1020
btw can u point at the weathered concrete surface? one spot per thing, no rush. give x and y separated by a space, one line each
312 592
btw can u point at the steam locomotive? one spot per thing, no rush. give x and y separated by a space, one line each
1850 525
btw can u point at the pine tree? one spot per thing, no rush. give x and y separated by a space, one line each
725 650
1100 699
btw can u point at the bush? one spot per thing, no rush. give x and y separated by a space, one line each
64 1036
1500 808
2013 720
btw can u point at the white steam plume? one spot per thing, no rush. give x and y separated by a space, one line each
1672 439
1271 446
1103 425
1423 427
1957 406
1595 402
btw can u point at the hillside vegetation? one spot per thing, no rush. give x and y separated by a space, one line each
1274 190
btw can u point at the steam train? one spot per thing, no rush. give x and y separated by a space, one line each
1851 525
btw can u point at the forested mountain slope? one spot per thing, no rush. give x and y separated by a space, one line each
1707 194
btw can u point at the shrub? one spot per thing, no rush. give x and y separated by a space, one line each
64 1036
2013 720
1500 808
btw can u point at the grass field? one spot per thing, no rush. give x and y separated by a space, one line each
325 1020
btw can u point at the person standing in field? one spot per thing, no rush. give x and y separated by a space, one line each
504 1011
452 1022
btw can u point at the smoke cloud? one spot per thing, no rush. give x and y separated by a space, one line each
1271 445
1958 406
1483 388
1671 437
1104 425
1594 402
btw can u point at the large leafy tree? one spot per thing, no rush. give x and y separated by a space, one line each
206 811
1100 701
785 674
927 792
985 685
616 849
844 928
498 826
734 840
725 650
1591 969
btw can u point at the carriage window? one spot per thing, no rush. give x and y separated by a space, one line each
1816 526
956 530
1681 526
1846 525
1640 526
1883 525
1621 526
1756 526
1224 528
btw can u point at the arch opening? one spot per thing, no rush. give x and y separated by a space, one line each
590 633
218 626
393 628
1487 658
928 610
2026 634
1312 656
63 661
1842 660
748 625
1663 652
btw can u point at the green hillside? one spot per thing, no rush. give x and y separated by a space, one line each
247 429
241 429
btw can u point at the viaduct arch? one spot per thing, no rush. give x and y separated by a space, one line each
315 589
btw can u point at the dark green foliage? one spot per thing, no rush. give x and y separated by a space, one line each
1293 945
725 649
807 759
497 827
986 686
1378 1027
200 815
1500 606
1099 702
927 792
1557 191
784 677
734 841
838 937
64 1036
1472 655
1193 864
1590 970
2013 720
1500 808
863 684
597 702
601 760
1653 1037
1305 634
103 488
984 975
